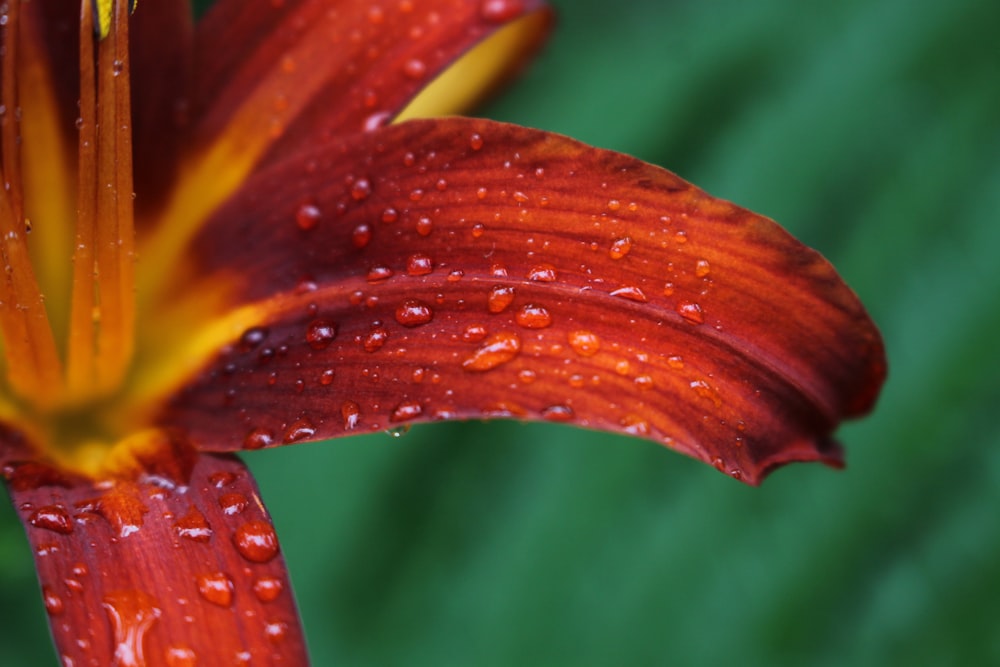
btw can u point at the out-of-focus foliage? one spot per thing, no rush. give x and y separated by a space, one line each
869 128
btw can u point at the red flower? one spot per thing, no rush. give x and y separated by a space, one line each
299 263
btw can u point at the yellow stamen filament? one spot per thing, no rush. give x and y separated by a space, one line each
102 319
33 366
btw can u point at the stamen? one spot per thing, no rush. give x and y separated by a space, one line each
102 319
33 367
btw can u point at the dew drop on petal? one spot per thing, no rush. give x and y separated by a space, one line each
267 588
320 333
531 316
258 438
298 430
630 292
53 603
635 425
132 613
691 312
52 517
193 526
233 503
351 413
375 339
275 631
558 413
419 265
499 298
501 11
424 226
543 273
474 333
307 216
584 343
256 541
620 247
475 141
180 656
413 313
379 273
406 411
704 390
676 362
644 382
414 68
361 236
361 189
390 215
702 268
495 351
216 587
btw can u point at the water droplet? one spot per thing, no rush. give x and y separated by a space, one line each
361 189
424 226
276 631
132 613
217 588
307 216
375 339
413 313
379 273
252 338
327 376
499 298
543 273
474 333
123 509
299 430
361 236
520 197
691 312
390 215
256 541
414 68
406 411
475 142
193 526
376 120
630 292
702 268
501 11
620 247
705 390
258 438
496 350
419 265
668 289
52 517
676 362
398 431
531 316
478 230
351 413
376 15
681 237
233 503
644 382
267 588
558 413
526 376
635 425
53 603
180 656
320 333
584 343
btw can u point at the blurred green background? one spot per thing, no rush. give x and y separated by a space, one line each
869 128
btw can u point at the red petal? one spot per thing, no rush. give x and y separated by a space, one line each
311 68
177 565
467 268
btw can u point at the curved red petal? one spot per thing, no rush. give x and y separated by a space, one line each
466 268
176 565
316 68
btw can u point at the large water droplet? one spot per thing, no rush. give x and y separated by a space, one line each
413 313
379 273
256 541
307 216
542 273
361 189
258 438
193 526
299 430
531 316
705 390
419 265
233 503
132 613
499 298
375 339
496 350
351 413
361 236
52 517
620 248
406 411
53 603
217 588
702 268
630 292
691 312
320 333
584 343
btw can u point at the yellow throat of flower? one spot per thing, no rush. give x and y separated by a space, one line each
55 361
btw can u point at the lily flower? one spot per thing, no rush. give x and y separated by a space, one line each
243 235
